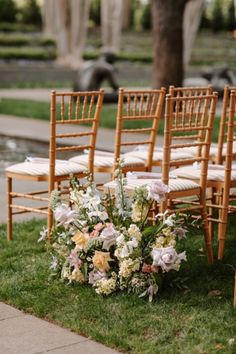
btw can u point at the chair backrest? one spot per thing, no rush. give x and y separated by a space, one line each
134 108
188 124
74 122
186 91
224 122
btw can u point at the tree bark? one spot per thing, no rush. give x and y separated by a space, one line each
49 27
111 20
167 20
79 12
126 13
62 22
192 18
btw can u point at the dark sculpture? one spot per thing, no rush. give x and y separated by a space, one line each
93 73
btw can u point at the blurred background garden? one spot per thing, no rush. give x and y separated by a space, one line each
31 53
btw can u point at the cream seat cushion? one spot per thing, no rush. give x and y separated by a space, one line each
215 172
40 167
175 184
107 160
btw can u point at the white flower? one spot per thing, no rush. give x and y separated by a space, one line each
108 236
167 258
64 215
120 239
134 232
157 191
167 220
128 248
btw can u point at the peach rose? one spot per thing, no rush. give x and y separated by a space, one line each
100 261
80 239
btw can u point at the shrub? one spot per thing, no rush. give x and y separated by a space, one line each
230 17
146 21
8 11
95 12
31 13
217 16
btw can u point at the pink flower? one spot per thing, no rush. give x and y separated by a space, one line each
146 268
74 260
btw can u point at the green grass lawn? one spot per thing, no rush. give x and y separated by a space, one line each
178 321
40 110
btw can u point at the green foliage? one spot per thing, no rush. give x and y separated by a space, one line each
27 53
205 21
19 40
17 27
146 20
217 16
182 320
95 12
230 17
31 13
8 11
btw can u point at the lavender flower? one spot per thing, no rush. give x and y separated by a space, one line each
64 215
167 258
157 191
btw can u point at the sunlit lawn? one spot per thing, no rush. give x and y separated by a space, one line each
195 320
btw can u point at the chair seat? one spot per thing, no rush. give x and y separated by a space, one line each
107 161
158 155
175 184
40 167
215 172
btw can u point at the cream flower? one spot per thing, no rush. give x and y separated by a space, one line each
80 239
134 232
77 276
100 260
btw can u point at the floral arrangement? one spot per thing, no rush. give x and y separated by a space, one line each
109 242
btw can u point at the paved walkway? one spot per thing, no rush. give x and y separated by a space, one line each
21 333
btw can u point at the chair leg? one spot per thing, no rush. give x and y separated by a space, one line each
50 222
207 236
9 208
211 213
235 290
222 229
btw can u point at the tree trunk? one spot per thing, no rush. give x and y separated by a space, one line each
126 13
62 25
79 12
192 18
111 19
167 19
48 17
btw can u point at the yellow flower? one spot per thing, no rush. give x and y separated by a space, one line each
80 239
100 261
77 276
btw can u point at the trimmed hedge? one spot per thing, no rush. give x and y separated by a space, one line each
27 53
25 40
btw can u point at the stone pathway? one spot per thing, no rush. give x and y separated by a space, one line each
21 333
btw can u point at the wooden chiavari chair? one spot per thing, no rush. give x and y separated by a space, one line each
181 153
74 116
221 179
185 117
134 106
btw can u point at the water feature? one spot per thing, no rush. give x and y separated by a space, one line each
14 150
